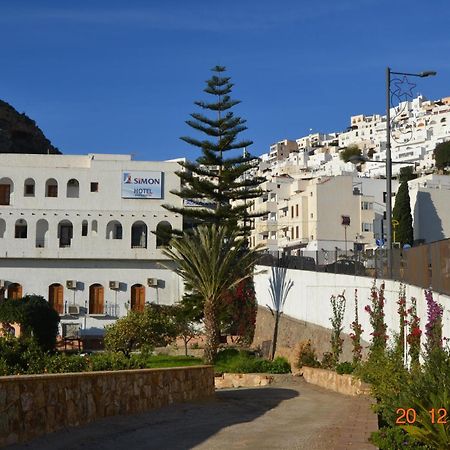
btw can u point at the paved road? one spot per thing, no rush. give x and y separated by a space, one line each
288 415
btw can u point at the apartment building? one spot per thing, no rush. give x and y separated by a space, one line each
308 213
79 230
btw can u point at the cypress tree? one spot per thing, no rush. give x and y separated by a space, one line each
402 213
219 183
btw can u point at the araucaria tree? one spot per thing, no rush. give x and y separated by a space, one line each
218 184
211 260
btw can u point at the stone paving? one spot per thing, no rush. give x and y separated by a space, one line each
290 414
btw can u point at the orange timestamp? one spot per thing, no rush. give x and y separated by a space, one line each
408 416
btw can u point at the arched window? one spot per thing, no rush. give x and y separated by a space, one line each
73 188
94 227
2 228
21 229
96 299
51 188
139 235
14 291
65 233
84 228
114 230
56 297
6 190
137 297
29 188
41 232
163 233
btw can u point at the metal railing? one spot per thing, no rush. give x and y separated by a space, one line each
426 265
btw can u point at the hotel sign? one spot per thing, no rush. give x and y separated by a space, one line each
142 184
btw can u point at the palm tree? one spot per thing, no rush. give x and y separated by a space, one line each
212 259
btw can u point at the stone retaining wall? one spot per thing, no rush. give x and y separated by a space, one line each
343 384
31 405
234 380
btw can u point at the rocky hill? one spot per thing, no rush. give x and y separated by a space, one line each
20 134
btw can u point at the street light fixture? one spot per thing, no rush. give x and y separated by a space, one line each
389 159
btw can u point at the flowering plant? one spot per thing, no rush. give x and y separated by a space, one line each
401 302
376 312
355 336
414 334
338 309
433 328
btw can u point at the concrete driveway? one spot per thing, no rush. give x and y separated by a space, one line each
290 414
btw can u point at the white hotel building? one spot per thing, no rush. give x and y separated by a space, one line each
79 230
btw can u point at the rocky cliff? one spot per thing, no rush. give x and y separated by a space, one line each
20 134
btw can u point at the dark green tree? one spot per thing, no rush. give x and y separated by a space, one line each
442 155
221 185
348 152
402 214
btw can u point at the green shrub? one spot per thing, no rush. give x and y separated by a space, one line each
62 363
234 361
280 365
307 355
345 368
394 438
35 316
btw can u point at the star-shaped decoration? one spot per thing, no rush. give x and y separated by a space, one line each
403 89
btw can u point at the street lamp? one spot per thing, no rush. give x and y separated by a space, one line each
389 159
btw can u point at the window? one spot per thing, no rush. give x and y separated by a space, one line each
51 188
2 228
163 234
292 211
41 232
366 205
84 228
139 235
311 215
21 229
296 232
73 188
29 186
114 230
65 233
6 189
94 186
94 227
366 227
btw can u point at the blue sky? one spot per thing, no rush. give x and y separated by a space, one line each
122 76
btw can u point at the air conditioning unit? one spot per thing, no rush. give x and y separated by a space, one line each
73 310
2 284
114 285
71 284
152 282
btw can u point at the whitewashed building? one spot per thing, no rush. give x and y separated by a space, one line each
79 230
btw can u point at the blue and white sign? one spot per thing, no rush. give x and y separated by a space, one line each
379 242
142 184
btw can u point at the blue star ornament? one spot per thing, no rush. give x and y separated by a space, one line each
403 88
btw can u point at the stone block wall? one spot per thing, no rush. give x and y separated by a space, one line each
31 405
291 332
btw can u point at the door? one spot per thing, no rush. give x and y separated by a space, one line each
14 291
56 297
5 190
96 299
137 297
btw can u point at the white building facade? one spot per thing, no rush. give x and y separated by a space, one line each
79 230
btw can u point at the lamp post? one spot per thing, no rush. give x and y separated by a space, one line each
389 72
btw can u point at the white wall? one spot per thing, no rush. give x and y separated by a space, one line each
309 299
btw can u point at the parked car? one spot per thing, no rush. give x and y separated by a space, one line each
346 266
